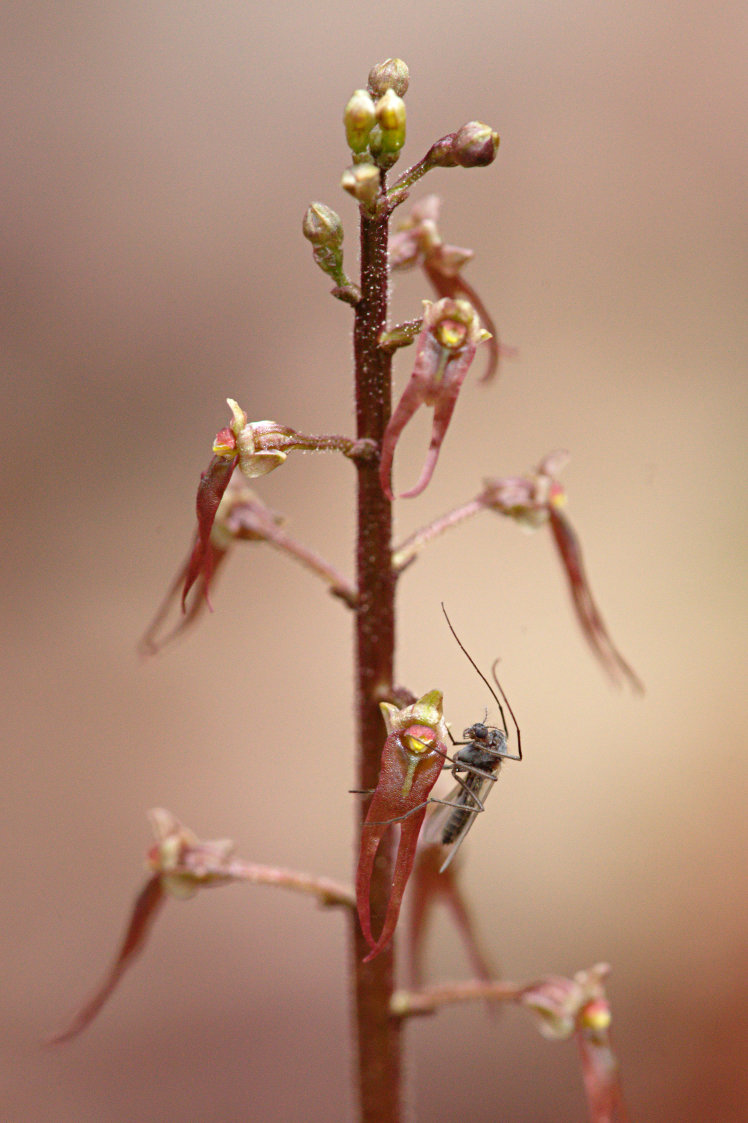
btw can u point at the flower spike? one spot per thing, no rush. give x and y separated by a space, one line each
445 349
412 759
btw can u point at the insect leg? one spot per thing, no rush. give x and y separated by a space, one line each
478 805
432 799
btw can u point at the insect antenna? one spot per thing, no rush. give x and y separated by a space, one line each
494 695
508 706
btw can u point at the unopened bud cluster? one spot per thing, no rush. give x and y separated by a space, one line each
374 121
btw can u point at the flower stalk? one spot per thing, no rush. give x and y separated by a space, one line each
378 1033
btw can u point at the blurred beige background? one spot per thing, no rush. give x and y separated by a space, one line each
157 161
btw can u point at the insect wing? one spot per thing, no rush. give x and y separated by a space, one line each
438 818
457 818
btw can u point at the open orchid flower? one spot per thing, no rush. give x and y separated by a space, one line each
536 499
417 242
579 1006
253 447
412 758
256 448
181 865
445 349
240 516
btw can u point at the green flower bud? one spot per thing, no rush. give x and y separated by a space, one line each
392 74
391 115
358 118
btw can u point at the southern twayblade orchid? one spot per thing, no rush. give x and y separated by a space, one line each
180 864
412 759
253 446
417 241
225 513
536 499
580 1007
445 348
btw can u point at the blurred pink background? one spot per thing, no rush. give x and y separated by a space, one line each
157 162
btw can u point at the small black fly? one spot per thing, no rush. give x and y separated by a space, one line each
479 757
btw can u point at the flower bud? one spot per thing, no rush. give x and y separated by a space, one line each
391 116
322 226
475 145
362 182
358 118
392 74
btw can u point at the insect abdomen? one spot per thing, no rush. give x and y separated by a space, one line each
458 818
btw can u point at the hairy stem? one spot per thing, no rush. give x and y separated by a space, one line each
378 1032
333 442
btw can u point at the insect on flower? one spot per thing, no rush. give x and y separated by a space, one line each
479 757
412 758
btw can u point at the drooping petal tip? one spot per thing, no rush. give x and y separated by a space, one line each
445 349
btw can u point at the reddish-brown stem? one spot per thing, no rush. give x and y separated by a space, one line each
406 552
378 1033
327 891
405 1003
